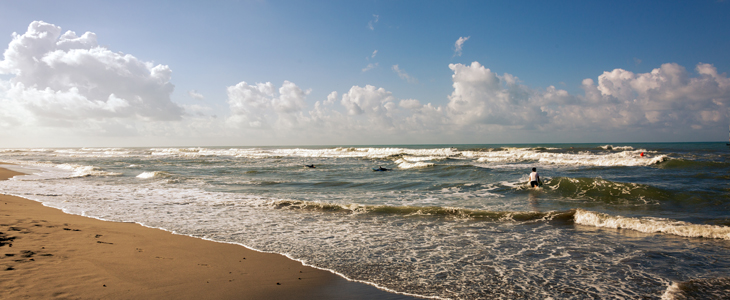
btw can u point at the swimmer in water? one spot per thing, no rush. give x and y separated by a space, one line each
535 178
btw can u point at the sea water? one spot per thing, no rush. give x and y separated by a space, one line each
446 221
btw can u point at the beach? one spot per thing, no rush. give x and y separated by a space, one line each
45 253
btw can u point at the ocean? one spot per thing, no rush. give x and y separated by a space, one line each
444 222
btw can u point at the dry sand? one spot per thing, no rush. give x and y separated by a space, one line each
46 254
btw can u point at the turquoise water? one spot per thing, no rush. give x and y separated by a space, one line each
446 221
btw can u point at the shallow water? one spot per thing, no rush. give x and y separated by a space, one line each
454 221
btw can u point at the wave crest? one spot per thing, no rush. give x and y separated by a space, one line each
651 225
154 174
83 171
404 164
451 212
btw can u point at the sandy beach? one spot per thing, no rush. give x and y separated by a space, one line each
45 253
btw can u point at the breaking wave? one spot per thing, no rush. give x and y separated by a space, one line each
579 216
651 225
436 211
618 156
617 148
155 174
585 158
404 164
83 171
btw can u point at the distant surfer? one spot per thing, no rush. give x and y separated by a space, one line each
310 166
642 154
535 178
380 168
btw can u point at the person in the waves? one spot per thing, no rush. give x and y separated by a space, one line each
535 178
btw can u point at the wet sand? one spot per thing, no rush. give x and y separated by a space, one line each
45 253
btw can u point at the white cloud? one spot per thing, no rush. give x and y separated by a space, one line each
291 98
369 67
195 95
63 84
410 104
331 98
459 44
197 110
666 98
403 75
263 106
371 23
65 79
484 103
482 97
367 100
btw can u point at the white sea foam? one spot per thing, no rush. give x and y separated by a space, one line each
83 171
623 158
421 158
47 170
155 174
652 225
403 164
300 152
617 148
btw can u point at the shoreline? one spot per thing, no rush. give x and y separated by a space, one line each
46 253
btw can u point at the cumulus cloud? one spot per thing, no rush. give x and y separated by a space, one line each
481 96
367 100
65 79
483 102
666 97
60 80
459 44
403 75
263 105
410 104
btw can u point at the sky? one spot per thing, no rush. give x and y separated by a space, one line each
281 73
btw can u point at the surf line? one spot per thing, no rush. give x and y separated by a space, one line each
578 216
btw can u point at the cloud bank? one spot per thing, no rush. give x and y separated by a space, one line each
667 99
59 79
56 82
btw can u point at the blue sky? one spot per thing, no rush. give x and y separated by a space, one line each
366 72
